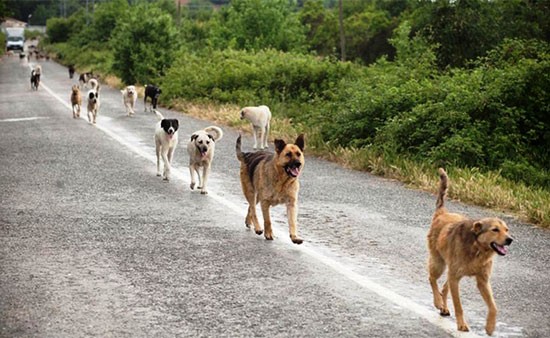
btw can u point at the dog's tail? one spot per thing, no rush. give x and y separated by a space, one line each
238 149
443 186
218 132
159 115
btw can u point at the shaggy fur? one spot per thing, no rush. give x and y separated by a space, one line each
272 179
466 248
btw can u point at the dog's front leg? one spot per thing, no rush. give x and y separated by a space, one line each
455 293
204 178
166 175
487 294
255 132
292 214
268 231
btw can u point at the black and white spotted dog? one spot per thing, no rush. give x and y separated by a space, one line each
166 140
93 105
152 92
35 77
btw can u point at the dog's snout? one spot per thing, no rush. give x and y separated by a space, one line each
509 241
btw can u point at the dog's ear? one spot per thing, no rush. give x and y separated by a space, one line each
211 137
300 142
478 227
91 95
194 137
176 124
279 145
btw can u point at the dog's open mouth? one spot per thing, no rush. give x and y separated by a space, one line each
499 249
293 169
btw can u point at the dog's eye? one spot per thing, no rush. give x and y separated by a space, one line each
289 154
298 154
200 142
496 230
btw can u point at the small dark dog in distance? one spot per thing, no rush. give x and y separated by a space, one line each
35 77
71 71
152 92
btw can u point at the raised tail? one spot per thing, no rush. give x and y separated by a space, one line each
240 154
218 132
443 186
159 115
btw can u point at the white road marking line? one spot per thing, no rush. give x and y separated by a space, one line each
431 315
25 119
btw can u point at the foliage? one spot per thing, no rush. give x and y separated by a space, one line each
250 78
259 24
143 45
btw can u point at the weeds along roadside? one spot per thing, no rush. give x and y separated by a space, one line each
486 189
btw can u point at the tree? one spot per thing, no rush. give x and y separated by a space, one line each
260 24
143 45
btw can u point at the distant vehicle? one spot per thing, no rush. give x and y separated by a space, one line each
15 38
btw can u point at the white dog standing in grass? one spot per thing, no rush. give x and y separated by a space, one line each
129 97
260 118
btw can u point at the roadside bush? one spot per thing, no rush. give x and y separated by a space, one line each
244 78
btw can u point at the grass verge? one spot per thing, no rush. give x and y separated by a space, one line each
486 189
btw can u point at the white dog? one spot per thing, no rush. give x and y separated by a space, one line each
260 118
201 153
129 97
93 105
166 140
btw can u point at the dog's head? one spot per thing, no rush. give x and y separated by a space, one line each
93 96
75 89
203 141
290 156
170 126
492 234
131 91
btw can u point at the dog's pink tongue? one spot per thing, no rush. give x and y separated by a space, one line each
203 154
295 171
502 249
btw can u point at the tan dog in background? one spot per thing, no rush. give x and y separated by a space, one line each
76 101
466 247
201 148
272 179
260 119
129 98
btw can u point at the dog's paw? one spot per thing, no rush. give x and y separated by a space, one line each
192 185
166 179
268 237
259 232
204 192
296 240
463 327
444 312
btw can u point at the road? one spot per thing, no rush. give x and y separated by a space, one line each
93 243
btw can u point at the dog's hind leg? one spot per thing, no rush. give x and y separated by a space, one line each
487 294
192 172
166 162
436 267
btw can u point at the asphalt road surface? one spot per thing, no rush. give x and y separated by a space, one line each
94 244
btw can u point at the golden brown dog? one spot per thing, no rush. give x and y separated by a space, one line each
466 247
272 179
76 101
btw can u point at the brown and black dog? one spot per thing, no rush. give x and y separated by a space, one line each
271 179
466 247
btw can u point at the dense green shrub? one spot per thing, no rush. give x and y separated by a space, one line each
252 78
143 45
